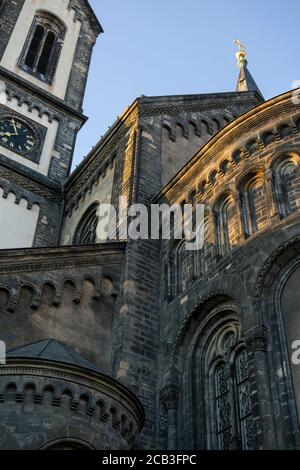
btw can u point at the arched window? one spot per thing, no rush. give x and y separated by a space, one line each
45 56
285 130
224 166
237 156
202 255
230 421
43 45
34 46
180 269
226 224
253 203
252 146
233 412
268 138
286 185
184 266
214 374
86 232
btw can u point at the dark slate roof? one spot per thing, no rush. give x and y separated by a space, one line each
51 350
246 82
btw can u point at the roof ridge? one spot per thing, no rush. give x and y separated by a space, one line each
47 342
64 353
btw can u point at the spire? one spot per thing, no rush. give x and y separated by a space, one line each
245 81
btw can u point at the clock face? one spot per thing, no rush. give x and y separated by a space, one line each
16 135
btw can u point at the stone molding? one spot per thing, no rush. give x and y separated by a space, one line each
170 396
186 108
259 285
60 257
256 339
114 398
252 121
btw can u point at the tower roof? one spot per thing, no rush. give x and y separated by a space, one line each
245 81
93 17
51 350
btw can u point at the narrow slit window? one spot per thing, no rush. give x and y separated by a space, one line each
34 46
46 53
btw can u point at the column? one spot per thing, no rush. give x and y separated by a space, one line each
256 340
170 398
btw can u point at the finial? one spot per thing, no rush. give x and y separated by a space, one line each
241 55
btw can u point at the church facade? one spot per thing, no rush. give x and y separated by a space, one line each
142 343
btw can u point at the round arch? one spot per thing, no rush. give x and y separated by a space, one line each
278 302
86 231
195 357
67 443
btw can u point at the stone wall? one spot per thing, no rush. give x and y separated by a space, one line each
9 14
52 111
64 294
73 65
135 144
237 177
48 405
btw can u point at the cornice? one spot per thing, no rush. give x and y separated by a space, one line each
33 90
95 157
142 107
42 189
95 24
37 259
203 105
225 137
94 170
77 375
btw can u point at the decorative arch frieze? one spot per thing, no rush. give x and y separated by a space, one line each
91 398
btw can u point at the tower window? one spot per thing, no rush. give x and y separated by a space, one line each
286 183
46 53
34 46
43 45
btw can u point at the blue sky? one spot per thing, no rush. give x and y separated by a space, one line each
165 47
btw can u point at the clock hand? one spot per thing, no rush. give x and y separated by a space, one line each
14 124
7 134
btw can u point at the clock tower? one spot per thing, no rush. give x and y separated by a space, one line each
45 52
